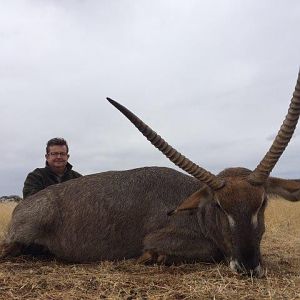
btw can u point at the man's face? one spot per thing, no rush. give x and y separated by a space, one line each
57 157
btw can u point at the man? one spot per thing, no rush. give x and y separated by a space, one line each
57 168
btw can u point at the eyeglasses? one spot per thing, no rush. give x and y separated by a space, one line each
58 153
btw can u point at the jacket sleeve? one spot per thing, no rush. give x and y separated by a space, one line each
33 183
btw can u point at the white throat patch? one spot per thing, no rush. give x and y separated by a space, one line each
231 221
254 218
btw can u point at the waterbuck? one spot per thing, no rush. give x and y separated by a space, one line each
158 215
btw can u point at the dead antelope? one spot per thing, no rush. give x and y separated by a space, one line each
129 214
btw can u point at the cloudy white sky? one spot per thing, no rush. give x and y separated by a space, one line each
214 78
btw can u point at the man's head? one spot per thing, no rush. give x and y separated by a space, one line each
57 154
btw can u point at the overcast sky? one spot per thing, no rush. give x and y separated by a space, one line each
214 78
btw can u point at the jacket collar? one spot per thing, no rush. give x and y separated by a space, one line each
68 167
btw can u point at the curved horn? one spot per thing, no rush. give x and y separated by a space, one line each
263 170
176 157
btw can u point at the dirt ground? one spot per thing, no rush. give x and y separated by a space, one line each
30 278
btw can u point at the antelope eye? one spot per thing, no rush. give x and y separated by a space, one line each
217 205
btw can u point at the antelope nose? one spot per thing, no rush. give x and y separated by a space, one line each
259 272
235 266
256 271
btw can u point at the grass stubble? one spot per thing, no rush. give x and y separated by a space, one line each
31 278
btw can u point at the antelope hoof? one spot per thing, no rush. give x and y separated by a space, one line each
13 249
151 257
161 260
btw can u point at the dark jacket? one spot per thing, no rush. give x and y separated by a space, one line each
40 178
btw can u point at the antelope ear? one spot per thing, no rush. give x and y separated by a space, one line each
288 189
194 201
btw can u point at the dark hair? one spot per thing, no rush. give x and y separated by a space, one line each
57 142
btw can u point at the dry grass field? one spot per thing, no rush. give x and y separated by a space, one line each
30 278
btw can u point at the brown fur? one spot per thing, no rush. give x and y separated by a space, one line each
117 215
